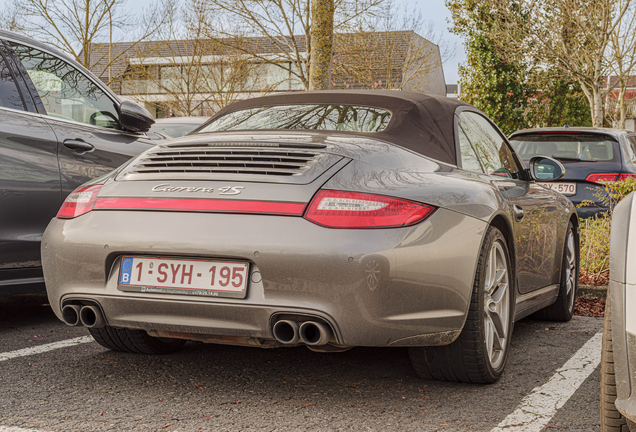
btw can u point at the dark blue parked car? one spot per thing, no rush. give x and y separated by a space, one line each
591 156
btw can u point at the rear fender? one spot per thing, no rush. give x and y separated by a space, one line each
453 189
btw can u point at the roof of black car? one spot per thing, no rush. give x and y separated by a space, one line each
12 36
6 34
420 122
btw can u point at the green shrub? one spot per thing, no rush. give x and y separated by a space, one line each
595 233
594 236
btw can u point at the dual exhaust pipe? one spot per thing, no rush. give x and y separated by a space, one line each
310 333
87 316
287 332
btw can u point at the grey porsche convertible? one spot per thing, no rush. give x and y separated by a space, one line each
329 219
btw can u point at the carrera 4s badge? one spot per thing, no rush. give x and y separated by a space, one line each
225 190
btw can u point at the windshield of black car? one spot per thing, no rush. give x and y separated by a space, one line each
307 116
567 146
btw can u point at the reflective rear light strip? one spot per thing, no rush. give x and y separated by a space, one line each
201 205
600 178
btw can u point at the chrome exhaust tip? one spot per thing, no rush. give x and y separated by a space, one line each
91 317
314 333
71 315
286 331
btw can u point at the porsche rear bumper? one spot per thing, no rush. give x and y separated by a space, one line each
421 296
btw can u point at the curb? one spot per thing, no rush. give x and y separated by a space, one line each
597 292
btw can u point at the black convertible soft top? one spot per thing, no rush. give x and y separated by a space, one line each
419 122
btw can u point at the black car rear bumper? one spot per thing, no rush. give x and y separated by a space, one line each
590 212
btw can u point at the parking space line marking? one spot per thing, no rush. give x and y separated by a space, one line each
44 348
537 409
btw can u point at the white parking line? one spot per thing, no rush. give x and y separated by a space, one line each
532 415
37 350
537 409
44 348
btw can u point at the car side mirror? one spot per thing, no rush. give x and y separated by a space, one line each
544 168
134 117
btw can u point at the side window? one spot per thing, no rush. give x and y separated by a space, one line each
469 157
9 94
631 147
65 92
492 150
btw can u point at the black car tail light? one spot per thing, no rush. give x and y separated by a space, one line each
339 209
79 202
600 178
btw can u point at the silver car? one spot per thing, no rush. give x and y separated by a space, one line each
328 219
618 358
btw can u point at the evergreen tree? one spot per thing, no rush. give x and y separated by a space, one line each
517 93
496 87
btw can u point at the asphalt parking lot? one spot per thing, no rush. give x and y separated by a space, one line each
84 387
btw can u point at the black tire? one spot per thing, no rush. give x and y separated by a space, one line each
611 419
563 308
134 341
468 358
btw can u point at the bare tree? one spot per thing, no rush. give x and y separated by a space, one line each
388 54
10 18
75 25
621 58
281 30
574 34
185 73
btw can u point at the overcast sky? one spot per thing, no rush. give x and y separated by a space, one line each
436 11
432 10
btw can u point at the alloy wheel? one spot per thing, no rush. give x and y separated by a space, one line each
496 304
570 269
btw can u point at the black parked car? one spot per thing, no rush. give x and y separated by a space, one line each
59 127
591 156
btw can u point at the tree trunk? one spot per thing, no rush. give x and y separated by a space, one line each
597 108
321 44
593 93
622 106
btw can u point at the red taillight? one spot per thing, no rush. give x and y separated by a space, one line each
202 205
600 178
79 202
338 209
625 177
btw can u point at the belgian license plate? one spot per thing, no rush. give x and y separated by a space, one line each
183 276
564 188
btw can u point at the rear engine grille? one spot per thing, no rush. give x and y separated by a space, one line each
261 160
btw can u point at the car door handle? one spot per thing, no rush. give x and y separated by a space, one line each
78 145
518 211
